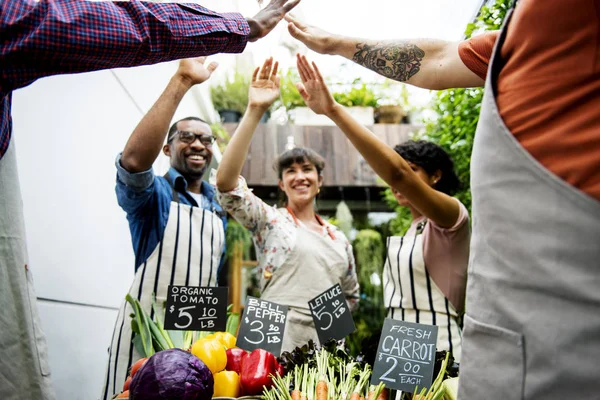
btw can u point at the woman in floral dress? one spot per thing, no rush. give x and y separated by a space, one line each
299 254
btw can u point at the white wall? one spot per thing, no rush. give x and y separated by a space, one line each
68 130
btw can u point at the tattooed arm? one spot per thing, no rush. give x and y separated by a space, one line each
427 63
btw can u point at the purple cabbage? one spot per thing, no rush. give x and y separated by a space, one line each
172 374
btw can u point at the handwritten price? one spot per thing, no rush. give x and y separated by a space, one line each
207 314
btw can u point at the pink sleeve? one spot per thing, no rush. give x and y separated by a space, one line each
446 254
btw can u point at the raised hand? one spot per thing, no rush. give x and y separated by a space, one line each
313 89
194 71
266 19
314 38
264 88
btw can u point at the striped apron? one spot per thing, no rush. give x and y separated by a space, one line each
411 295
532 326
189 254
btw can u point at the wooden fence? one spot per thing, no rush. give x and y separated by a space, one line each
344 165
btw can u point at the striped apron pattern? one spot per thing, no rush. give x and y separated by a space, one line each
411 295
189 254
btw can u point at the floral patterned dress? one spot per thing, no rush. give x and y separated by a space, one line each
296 264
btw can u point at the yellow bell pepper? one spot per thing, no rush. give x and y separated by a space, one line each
212 353
226 338
227 384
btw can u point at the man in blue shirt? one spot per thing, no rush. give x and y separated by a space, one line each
177 228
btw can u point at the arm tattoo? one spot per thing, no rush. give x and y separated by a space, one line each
399 61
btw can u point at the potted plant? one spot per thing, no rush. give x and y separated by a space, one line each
357 96
361 100
230 98
393 103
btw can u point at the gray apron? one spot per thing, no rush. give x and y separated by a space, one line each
315 264
24 370
532 325
189 254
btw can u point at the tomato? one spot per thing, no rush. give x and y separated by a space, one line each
137 365
127 382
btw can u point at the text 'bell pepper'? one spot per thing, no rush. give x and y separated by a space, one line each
227 384
256 370
212 353
235 357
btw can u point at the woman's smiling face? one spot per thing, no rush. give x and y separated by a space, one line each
300 182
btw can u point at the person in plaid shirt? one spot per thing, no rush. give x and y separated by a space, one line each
47 37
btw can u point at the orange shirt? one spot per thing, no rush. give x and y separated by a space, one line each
549 87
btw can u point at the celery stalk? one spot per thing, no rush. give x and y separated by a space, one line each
142 323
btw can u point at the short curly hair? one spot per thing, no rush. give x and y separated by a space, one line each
431 158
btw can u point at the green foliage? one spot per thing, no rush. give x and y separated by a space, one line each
221 134
231 94
457 116
358 96
401 221
490 18
235 233
369 251
290 97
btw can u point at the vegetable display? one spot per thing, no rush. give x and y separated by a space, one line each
324 373
183 365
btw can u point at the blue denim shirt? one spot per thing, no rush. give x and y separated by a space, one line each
146 199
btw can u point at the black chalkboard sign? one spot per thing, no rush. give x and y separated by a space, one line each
262 326
331 314
405 356
193 308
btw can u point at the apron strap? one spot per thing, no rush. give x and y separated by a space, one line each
319 219
176 193
221 213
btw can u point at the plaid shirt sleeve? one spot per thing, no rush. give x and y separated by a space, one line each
50 37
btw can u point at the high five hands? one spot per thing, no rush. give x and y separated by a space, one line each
193 71
313 89
267 18
264 88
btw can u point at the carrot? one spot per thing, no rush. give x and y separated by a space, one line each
322 369
383 395
355 396
322 390
295 394
378 392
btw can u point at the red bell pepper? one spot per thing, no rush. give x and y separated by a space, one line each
256 368
235 357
